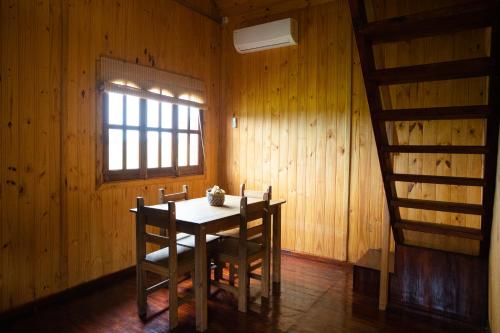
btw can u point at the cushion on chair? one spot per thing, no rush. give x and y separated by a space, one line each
190 240
182 235
160 257
230 247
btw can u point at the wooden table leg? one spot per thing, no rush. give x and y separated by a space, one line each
201 280
277 247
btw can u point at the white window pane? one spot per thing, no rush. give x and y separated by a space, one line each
115 108
153 113
193 149
132 149
132 111
182 149
166 115
166 149
194 118
152 149
115 149
183 117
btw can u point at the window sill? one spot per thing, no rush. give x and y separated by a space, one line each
162 180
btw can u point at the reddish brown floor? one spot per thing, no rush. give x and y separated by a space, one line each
315 297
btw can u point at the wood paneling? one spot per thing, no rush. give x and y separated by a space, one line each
441 283
293 108
59 228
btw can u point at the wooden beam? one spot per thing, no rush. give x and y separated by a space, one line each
442 206
473 15
439 113
398 177
196 8
440 229
384 263
448 70
444 149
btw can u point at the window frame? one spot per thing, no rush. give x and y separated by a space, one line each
143 172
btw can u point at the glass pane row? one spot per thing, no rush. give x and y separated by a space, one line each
115 149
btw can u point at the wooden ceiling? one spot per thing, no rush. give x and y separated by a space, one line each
255 8
239 7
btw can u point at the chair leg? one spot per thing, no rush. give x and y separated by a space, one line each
141 292
209 276
218 271
172 301
242 287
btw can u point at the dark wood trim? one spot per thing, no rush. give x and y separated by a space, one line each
492 129
65 295
365 50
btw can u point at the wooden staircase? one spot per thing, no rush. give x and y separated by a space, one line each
465 16
440 279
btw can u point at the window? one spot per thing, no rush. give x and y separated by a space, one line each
145 137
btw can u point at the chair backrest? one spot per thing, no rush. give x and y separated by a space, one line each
178 196
147 216
255 231
256 194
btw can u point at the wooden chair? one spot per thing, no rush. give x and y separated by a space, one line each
243 253
171 261
254 232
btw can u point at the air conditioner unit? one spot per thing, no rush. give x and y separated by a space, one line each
266 36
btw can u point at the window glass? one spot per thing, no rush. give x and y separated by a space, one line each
183 117
115 109
166 115
166 149
193 149
152 141
182 149
115 149
153 114
132 149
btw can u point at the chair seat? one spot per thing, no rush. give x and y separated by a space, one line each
228 249
160 257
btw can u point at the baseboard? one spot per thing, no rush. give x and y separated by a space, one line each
307 256
65 295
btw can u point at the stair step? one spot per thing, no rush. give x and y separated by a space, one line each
445 149
473 15
436 179
442 206
442 113
440 229
433 72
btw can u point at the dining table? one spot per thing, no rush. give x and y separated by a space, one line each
197 217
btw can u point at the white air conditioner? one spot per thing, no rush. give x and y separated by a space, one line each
266 36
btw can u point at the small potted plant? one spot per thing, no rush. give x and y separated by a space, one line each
215 196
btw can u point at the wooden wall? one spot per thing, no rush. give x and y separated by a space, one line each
58 228
304 127
293 108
